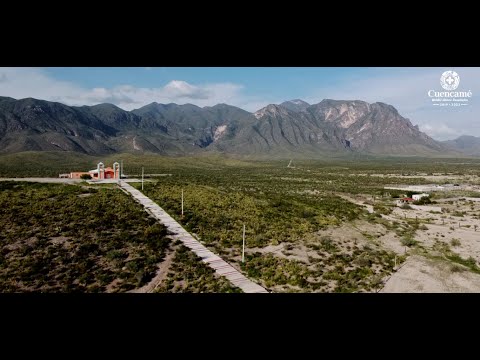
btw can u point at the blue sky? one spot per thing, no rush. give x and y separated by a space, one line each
279 82
253 88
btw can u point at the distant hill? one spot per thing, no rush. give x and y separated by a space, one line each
469 145
293 127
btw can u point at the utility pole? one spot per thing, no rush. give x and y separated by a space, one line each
243 248
142 178
182 202
121 169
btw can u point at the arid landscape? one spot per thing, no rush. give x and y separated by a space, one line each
310 227
223 180
90 238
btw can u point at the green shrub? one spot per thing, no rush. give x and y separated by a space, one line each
455 242
456 268
382 209
408 241
76 244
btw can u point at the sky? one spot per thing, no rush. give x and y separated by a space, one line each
252 88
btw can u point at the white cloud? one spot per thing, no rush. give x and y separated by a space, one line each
180 89
440 131
27 82
32 82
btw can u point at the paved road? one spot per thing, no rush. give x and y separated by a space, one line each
69 181
220 266
44 180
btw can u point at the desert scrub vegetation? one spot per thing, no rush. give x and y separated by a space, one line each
455 242
469 263
67 238
334 272
406 231
188 274
276 209
458 263
51 163
216 213
382 209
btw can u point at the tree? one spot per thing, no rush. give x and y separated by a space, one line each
85 177
422 201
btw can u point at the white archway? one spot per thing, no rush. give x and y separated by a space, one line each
116 170
101 170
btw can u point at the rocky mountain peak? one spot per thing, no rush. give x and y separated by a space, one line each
342 113
295 105
272 110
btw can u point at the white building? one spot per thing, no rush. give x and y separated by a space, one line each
417 197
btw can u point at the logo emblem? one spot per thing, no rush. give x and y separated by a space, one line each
449 80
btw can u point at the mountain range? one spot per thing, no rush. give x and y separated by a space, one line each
290 128
469 145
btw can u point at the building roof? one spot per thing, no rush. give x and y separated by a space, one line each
407 199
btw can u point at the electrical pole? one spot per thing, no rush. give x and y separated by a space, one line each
182 202
142 178
121 169
243 248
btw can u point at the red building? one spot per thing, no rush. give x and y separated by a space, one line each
101 172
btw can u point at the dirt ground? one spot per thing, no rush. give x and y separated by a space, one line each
45 180
446 227
434 178
422 275
453 228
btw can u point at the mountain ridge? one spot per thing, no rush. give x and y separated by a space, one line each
467 144
294 126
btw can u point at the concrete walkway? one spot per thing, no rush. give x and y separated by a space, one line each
214 261
70 181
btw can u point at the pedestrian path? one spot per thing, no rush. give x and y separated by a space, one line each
220 266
